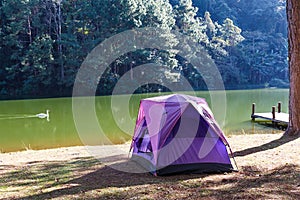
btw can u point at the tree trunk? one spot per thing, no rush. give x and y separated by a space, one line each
29 29
293 15
59 16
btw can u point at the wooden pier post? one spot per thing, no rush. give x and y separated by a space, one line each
279 107
253 111
273 112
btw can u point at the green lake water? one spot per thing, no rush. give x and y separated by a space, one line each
21 130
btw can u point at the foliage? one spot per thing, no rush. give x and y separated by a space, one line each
262 55
44 42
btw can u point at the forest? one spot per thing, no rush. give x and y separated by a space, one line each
44 42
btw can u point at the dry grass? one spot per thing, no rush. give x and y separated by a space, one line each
269 168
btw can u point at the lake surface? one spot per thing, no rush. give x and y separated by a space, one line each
20 129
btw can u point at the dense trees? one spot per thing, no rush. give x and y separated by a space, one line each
293 11
262 55
43 42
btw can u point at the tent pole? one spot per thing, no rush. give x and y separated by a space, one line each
232 155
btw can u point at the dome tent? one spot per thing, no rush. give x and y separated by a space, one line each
178 134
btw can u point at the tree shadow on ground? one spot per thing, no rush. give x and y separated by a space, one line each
253 183
109 176
270 145
249 183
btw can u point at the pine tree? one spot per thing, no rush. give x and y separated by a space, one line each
293 7
188 23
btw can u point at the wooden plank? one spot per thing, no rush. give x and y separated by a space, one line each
279 117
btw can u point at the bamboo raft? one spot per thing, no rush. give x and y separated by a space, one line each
273 116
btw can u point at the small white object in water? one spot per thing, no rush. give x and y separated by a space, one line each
43 115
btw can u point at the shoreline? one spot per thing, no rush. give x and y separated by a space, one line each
251 149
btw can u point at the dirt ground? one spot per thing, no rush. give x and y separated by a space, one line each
269 168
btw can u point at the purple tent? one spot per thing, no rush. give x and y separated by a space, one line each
178 134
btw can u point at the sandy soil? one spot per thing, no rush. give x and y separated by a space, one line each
262 150
269 168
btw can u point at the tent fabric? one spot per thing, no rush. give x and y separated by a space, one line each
178 134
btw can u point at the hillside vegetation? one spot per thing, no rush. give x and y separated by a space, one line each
44 42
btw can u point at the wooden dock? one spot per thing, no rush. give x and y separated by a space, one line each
273 116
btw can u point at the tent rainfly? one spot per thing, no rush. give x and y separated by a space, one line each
178 134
